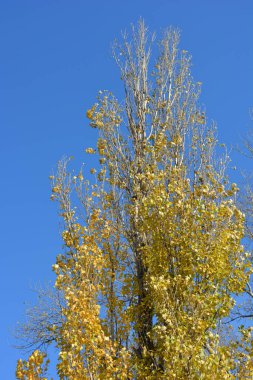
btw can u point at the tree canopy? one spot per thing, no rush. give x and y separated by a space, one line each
153 254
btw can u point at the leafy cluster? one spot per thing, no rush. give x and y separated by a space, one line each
153 252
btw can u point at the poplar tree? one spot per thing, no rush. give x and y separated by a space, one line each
153 254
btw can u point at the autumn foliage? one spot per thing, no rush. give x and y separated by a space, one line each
153 255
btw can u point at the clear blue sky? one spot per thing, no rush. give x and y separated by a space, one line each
55 56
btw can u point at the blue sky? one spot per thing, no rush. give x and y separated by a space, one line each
55 56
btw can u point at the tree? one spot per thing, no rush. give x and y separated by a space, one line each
153 247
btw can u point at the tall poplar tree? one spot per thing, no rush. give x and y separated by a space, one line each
153 245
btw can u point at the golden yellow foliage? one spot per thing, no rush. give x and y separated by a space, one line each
33 368
154 258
